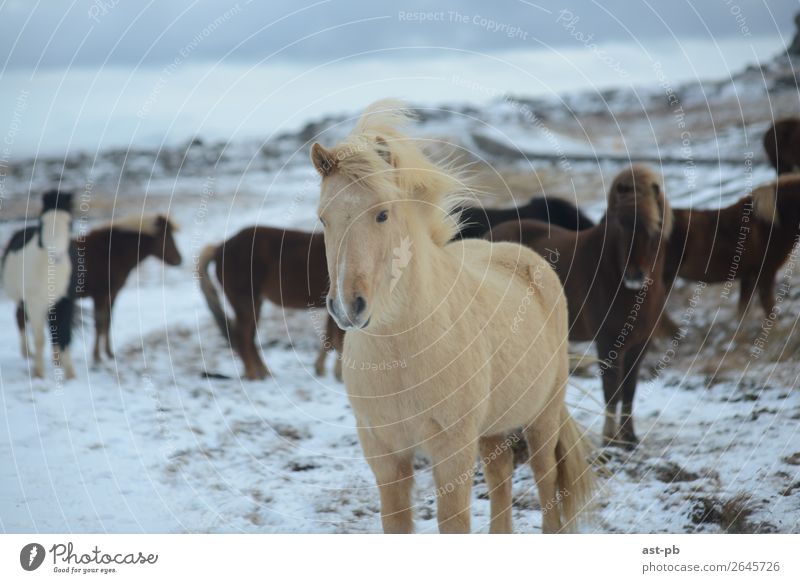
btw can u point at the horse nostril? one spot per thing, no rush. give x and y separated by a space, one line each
359 305
329 304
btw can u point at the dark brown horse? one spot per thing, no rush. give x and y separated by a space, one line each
105 257
782 144
476 221
613 278
286 267
749 241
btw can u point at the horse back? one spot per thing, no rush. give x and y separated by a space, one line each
287 267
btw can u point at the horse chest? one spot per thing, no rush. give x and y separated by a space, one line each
399 386
36 274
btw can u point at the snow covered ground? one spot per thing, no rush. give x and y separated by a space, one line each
146 444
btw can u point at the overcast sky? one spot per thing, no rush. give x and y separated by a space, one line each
61 33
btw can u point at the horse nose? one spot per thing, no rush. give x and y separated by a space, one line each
331 305
359 305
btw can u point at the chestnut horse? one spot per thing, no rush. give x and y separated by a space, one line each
106 256
283 266
613 279
479 329
476 221
749 240
782 144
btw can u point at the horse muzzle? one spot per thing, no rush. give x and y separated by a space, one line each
352 315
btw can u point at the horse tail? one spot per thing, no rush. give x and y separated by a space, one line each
225 324
765 199
575 479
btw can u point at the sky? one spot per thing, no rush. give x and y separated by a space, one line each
93 33
90 74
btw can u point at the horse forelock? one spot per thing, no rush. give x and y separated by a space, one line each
56 200
632 193
381 158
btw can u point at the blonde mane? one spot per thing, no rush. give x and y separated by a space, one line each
384 159
637 192
145 224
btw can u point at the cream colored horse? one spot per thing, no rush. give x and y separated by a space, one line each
449 347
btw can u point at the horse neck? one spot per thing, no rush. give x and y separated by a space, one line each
410 301
609 237
54 233
131 248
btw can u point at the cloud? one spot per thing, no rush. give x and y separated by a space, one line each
91 33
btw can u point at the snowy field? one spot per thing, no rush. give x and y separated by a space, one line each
147 444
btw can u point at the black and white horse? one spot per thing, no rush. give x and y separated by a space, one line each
37 274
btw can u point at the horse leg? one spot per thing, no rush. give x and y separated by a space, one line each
337 367
23 332
319 365
630 376
746 289
498 463
610 370
246 323
107 321
542 438
61 335
394 474
100 316
453 469
38 323
766 292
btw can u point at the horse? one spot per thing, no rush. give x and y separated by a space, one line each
37 275
782 145
105 257
286 267
476 221
450 345
749 240
613 278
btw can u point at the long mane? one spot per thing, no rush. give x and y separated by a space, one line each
378 153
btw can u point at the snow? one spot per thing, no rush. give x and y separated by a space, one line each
145 443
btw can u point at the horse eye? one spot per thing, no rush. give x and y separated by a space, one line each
656 189
382 216
324 224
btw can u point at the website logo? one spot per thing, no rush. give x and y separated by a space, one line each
31 556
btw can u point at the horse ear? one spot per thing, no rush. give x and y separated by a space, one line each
384 151
324 160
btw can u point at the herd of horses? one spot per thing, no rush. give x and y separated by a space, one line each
480 304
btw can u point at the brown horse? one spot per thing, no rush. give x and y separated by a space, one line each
286 267
749 241
475 221
613 279
782 144
105 257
